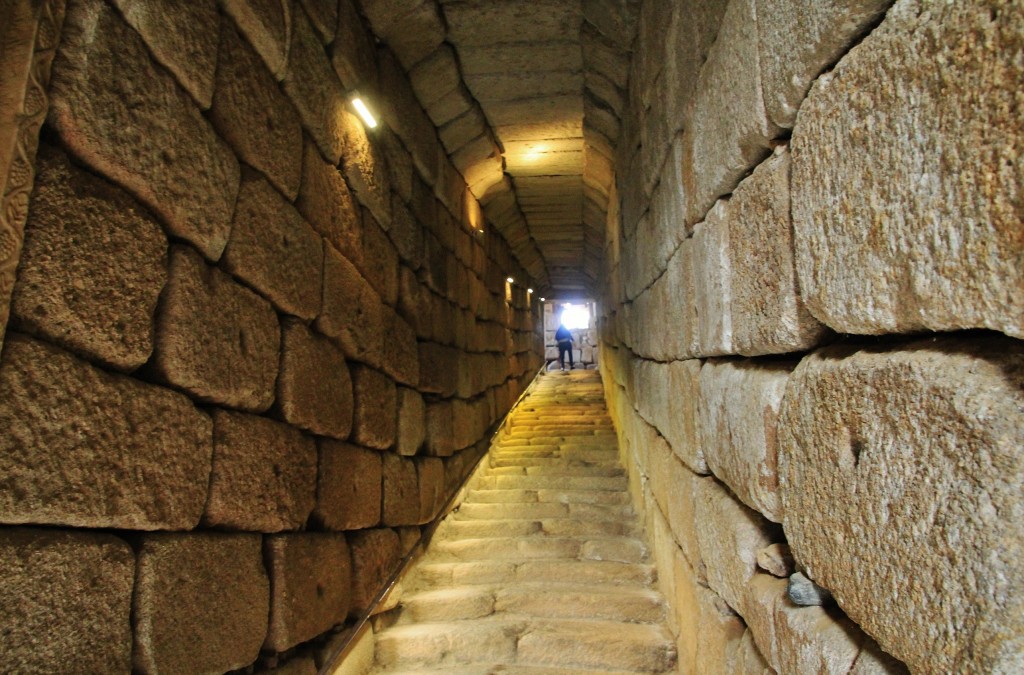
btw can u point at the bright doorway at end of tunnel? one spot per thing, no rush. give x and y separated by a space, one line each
577 316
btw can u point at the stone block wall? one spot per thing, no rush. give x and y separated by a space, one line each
253 346
810 330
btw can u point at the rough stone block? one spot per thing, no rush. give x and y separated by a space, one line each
352 312
898 231
274 250
349 486
311 585
739 407
412 416
264 475
768 315
401 503
314 390
417 33
712 279
63 293
430 473
353 50
127 119
85 448
267 24
375 418
405 233
720 632
67 598
323 14
325 201
252 114
200 603
673 300
401 354
366 170
860 485
215 338
375 556
668 396
311 84
182 38
379 260
440 439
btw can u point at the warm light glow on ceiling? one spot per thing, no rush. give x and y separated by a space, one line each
364 112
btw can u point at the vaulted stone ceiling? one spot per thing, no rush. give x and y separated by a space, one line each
526 96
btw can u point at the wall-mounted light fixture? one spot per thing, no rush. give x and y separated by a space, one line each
510 280
529 290
543 299
364 111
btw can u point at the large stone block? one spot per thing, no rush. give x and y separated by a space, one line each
405 233
739 408
348 487
85 448
798 39
768 315
904 499
672 301
440 429
712 283
324 17
215 338
352 54
267 25
274 250
366 170
352 312
412 420
375 556
401 503
379 260
720 633
63 292
401 352
182 37
314 390
311 586
264 475
430 473
201 602
252 114
325 201
126 118
899 231
668 396
66 598
375 420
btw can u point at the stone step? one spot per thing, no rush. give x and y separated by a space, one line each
492 668
618 549
540 511
564 527
566 462
608 470
435 574
494 496
534 482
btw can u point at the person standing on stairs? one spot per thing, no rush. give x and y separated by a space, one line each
564 338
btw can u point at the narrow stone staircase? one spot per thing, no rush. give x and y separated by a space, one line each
541 569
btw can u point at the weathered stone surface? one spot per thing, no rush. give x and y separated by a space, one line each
66 598
401 355
200 602
267 25
898 231
314 390
776 560
798 39
401 504
430 474
215 339
412 416
375 556
674 300
349 486
85 448
873 661
103 311
325 201
804 592
668 396
353 50
182 37
311 579
264 475
859 489
440 440
375 419
739 407
719 634
417 33
323 14
712 282
768 315
405 233
311 84
126 118
274 250
352 313
379 260
365 169
252 114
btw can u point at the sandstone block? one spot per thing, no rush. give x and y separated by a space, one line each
126 118
266 24
67 598
102 311
348 487
183 38
365 169
200 602
719 634
264 475
326 203
668 396
430 474
352 313
439 369
897 231
674 300
215 339
712 282
401 354
440 429
401 503
314 390
417 33
252 114
375 418
768 315
412 415
353 50
739 407
311 84
375 556
323 14
776 560
85 448
405 233
311 585
274 250
379 260
859 487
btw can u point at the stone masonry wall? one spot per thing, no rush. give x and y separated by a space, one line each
811 330
253 346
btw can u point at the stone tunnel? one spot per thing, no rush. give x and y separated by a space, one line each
255 342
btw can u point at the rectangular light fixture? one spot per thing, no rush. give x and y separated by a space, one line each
364 112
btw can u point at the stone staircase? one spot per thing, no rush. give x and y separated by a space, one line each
541 569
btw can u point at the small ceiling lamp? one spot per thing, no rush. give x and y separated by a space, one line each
543 299
364 112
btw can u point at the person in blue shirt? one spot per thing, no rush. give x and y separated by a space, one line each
564 338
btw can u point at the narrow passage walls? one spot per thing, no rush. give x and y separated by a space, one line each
811 328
